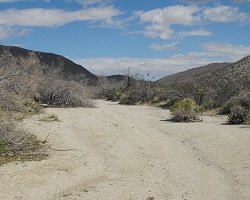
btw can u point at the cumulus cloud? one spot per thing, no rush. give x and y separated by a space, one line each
158 67
230 51
11 32
225 14
54 17
161 20
213 52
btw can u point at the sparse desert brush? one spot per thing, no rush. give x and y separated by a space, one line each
114 94
31 105
184 111
238 115
238 108
243 100
57 91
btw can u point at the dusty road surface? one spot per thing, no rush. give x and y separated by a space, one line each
130 152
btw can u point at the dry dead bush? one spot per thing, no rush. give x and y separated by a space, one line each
58 92
17 78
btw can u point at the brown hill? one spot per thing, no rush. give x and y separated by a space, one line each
188 75
213 84
49 61
233 71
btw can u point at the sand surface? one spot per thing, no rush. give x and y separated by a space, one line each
130 152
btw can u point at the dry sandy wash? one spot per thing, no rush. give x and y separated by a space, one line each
130 152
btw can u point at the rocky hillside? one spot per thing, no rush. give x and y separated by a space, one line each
49 61
188 75
214 71
214 86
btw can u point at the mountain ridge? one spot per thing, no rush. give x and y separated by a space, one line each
51 61
189 74
224 70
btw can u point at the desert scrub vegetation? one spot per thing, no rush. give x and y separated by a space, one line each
238 115
238 108
184 111
133 89
23 88
62 93
139 90
15 103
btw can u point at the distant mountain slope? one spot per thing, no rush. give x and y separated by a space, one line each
213 84
188 75
51 61
236 71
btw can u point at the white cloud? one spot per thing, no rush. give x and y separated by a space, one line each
158 67
195 33
214 52
224 14
55 17
171 15
161 19
230 51
91 2
159 22
11 32
170 46
241 1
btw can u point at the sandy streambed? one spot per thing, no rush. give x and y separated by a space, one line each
131 152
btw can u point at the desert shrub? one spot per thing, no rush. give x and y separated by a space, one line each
243 100
167 104
238 115
140 90
208 105
184 110
114 94
16 89
58 92
62 94
10 135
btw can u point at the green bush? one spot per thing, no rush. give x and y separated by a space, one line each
184 110
238 115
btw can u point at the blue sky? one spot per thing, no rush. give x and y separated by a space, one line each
108 36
